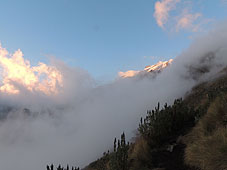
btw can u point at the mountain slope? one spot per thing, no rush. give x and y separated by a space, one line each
189 135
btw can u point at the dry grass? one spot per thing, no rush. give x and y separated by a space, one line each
140 155
207 143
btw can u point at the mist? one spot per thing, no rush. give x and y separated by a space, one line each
79 123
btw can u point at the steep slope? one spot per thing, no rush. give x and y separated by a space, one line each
189 135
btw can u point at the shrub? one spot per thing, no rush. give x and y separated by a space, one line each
159 126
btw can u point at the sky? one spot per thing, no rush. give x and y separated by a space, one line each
105 36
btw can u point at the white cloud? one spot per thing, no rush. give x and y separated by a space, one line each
162 9
181 18
224 1
187 21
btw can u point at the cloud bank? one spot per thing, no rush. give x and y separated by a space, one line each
80 122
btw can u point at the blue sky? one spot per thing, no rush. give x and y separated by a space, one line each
104 36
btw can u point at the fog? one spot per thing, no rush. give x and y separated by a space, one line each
79 123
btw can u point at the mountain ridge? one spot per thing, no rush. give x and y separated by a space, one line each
158 67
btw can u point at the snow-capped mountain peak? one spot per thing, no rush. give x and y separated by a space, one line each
150 68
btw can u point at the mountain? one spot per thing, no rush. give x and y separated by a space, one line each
190 134
159 66
150 68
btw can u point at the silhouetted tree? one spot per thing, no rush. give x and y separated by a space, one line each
61 168
119 157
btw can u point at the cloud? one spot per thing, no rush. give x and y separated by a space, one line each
187 21
17 72
78 124
224 2
182 18
162 9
